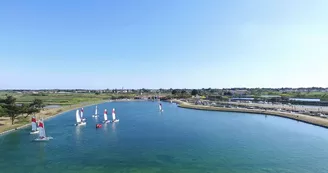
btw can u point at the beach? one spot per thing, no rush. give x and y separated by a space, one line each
295 116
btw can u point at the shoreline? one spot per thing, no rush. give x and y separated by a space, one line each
317 121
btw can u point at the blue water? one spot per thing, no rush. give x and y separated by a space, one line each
177 140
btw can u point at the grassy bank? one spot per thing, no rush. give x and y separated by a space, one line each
299 117
64 99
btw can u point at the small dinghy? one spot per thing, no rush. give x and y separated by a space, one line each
114 117
78 119
98 126
82 119
42 133
34 126
96 113
105 117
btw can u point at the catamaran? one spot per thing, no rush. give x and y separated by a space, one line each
96 113
83 119
78 119
42 133
114 116
160 107
34 126
105 117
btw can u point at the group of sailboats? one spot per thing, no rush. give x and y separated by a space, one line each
40 129
113 117
82 121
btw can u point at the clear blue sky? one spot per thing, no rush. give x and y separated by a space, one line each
163 43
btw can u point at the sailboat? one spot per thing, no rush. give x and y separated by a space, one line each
96 113
114 116
160 107
42 133
34 126
105 117
83 119
78 119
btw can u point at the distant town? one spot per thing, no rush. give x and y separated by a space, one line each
234 91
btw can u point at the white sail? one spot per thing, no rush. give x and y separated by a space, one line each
96 111
82 113
33 126
42 132
78 118
105 115
113 114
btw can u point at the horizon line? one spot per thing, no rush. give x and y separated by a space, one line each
7 89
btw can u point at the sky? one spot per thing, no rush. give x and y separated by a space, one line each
163 44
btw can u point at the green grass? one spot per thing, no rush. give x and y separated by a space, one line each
64 99
319 95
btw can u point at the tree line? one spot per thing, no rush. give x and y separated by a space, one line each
10 108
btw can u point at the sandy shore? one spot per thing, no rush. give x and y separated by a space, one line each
298 117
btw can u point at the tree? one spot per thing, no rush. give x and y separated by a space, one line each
194 92
2 111
37 103
11 108
174 92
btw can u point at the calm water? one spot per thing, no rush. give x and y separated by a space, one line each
177 140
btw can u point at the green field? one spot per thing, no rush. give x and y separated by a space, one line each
64 99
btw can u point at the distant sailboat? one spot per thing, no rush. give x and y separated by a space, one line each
105 117
114 116
34 126
160 107
42 133
96 113
78 119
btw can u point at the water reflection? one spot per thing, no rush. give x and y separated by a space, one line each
114 127
42 153
105 127
78 133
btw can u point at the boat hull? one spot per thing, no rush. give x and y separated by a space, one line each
117 120
43 139
81 123
34 132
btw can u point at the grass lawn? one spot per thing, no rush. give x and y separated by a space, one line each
63 99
